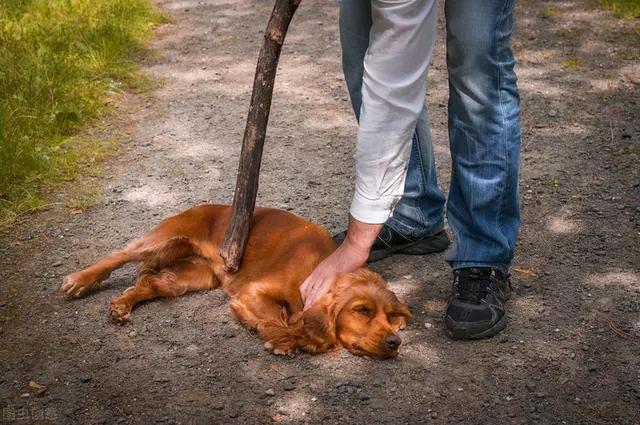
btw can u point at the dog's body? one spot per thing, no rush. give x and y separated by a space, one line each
181 255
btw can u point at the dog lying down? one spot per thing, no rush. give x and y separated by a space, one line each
181 255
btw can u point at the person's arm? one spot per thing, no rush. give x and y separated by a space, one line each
393 89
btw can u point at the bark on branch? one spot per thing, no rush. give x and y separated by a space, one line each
244 199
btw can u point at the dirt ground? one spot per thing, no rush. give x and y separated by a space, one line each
571 354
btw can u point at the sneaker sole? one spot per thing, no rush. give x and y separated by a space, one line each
439 243
488 333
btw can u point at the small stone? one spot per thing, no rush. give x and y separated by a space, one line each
540 395
57 264
84 378
460 389
229 334
270 392
289 386
314 399
133 334
531 386
25 395
363 396
428 325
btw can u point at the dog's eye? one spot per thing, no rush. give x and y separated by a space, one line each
362 309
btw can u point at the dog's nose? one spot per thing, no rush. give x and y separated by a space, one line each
394 341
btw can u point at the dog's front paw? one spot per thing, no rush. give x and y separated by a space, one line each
119 313
281 348
77 284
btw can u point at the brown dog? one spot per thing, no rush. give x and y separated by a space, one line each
181 255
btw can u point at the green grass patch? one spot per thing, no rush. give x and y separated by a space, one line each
570 63
59 59
553 182
628 9
547 12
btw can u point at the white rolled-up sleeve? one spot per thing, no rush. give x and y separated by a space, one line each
393 89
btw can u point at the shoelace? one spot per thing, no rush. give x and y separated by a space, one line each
473 284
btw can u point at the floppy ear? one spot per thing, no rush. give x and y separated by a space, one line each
318 330
399 316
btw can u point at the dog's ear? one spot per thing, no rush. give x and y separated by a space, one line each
318 326
398 316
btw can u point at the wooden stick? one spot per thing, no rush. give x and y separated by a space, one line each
235 239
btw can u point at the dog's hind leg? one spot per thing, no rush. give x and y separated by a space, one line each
148 248
186 275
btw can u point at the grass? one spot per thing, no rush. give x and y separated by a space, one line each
547 12
59 60
629 9
570 63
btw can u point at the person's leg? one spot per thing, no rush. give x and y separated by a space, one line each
484 134
420 211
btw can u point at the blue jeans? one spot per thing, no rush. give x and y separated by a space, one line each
484 133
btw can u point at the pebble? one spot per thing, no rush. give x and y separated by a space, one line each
531 386
57 264
428 325
133 334
289 386
270 392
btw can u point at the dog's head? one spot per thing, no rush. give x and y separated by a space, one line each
359 313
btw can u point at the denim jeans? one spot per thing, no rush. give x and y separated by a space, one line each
484 133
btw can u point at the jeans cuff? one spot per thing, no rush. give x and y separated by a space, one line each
503 267
419 231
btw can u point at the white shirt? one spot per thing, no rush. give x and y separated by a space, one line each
393 89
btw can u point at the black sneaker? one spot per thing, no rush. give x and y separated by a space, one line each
390 242
476 309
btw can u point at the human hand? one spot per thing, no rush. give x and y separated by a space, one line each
348 257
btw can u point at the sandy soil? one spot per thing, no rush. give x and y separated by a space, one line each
570 354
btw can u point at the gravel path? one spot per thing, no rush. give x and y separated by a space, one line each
570 354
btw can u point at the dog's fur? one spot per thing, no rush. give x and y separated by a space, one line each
181 255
